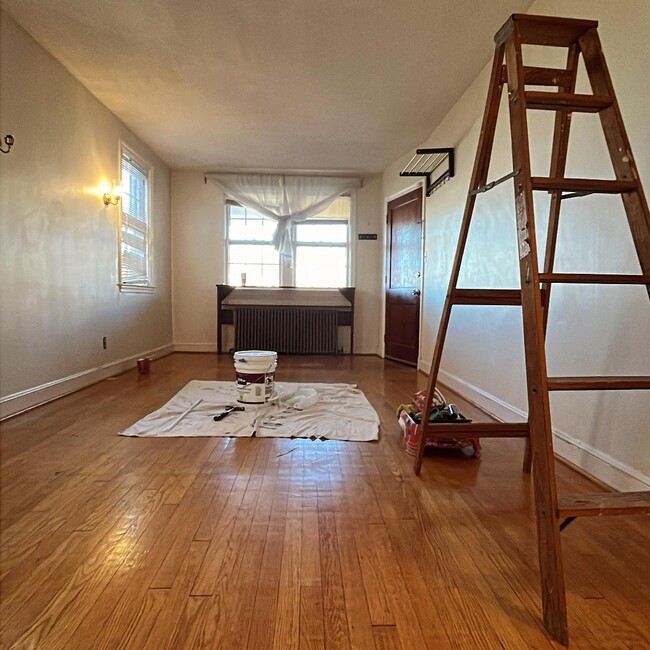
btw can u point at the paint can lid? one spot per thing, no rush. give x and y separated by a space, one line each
255 355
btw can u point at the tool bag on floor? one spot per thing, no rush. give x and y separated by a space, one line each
409 420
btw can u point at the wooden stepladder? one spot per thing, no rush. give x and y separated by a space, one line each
580 37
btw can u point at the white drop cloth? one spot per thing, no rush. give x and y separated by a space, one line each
341 412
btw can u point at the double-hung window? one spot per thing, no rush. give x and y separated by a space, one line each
321 247
135 224
320 253
252 259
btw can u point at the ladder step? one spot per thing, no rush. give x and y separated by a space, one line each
593 278
587 185
545 30
486 297
608 503
567 102
477 430
599 383
534 76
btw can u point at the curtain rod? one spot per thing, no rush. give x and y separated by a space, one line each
314 173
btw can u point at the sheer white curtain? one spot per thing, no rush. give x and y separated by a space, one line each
285 198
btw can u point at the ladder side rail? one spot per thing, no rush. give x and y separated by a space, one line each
620 151
558 167
544 484
479 178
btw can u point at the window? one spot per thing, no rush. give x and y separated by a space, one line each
135 224
321 257
252 259
321 249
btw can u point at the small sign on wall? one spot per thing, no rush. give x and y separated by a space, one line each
367 235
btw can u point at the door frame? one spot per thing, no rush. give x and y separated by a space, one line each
388 199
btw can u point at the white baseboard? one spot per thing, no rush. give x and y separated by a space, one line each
195 347
588 459
37 395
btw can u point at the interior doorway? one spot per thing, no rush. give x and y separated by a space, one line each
403 278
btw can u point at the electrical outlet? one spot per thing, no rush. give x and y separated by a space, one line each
105 343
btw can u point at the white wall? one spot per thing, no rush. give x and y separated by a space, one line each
59 243
594 330
197 260
198 230
368 268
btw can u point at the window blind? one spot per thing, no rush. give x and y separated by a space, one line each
339 209
135 222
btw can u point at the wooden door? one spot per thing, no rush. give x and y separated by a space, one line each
403 278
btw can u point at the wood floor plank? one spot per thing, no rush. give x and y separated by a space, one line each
96 509
273 497
20 595
226 590
234 510
312 628
196 500
58 620
616 587
287 626
386 638
464 616
399 598
262 630
177 596
239 605
190 625
15 555
337 634
310 554
475 586
375 587
66 499
118 602
427 606
356 604
524 583
23 595
232 484
286 601
143 623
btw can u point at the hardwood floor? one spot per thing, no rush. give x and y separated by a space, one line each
111 542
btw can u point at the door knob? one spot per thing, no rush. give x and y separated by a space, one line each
416 292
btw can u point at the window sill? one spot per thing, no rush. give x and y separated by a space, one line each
136 288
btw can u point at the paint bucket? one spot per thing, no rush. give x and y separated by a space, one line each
144 366
255 371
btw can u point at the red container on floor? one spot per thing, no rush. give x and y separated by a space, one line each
411 430
143 366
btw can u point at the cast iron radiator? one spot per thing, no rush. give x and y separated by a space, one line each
286 330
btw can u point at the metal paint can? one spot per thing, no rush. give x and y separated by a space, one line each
144 366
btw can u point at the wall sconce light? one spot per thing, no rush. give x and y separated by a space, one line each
9 141
113 197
